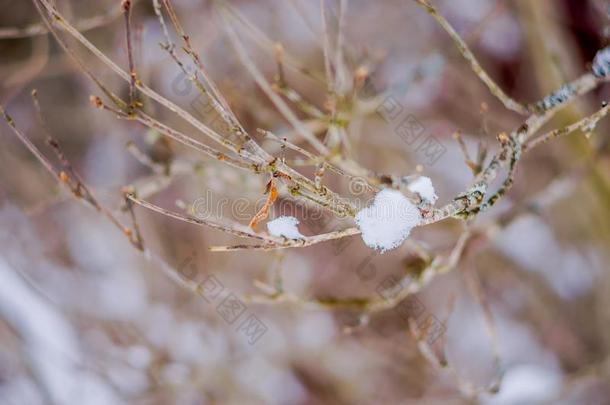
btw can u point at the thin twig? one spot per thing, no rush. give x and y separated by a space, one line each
83 25
232 228
126 4
260 80
508 102
292 243
69 177
261 39
586 125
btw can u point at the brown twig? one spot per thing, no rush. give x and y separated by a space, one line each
69 177
232 228
84 24
496 90
126 5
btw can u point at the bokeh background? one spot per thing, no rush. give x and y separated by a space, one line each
84 318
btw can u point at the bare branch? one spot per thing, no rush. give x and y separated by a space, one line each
508 102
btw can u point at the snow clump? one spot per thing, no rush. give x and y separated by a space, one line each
601 63
284 226
387 222
422 186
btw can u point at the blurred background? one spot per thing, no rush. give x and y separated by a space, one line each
523 318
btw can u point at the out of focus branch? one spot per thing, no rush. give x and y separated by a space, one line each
474 63
84 24
72 180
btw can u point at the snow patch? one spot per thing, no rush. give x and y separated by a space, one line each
422 186
388 221
601 63
284 226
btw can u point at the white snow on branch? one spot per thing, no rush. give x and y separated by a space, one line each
388 221
601 63
284 226
422 186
